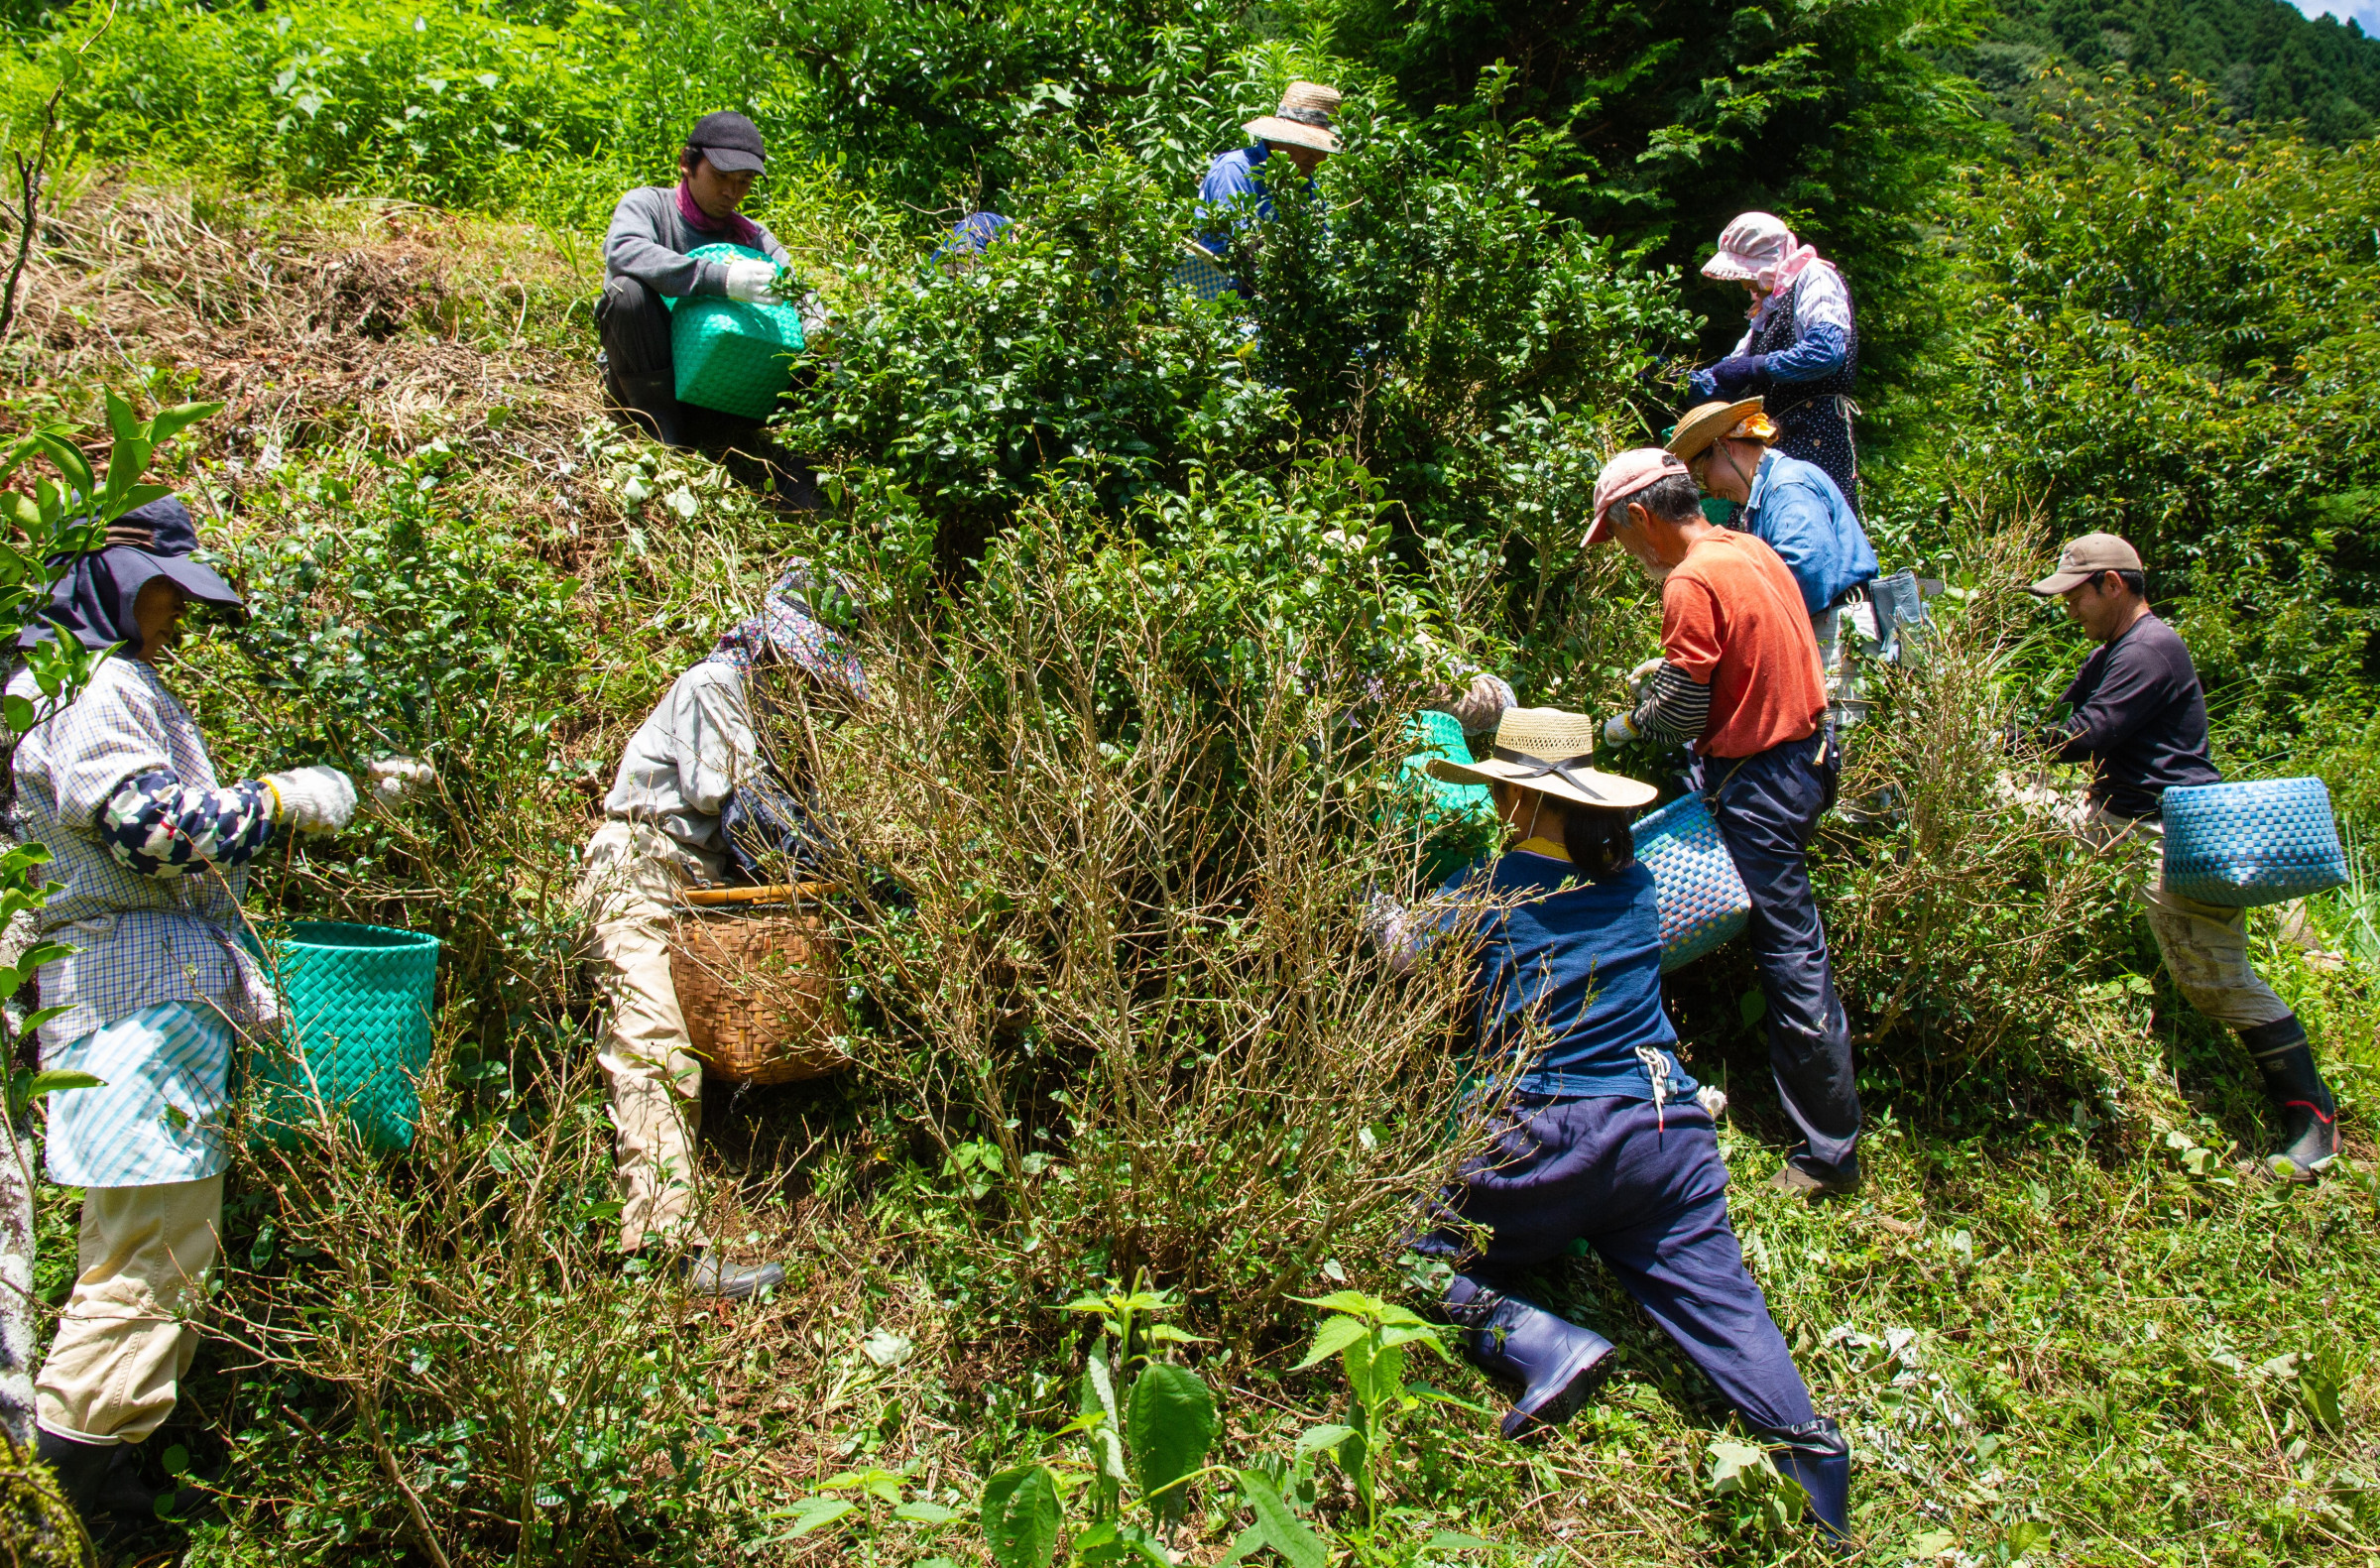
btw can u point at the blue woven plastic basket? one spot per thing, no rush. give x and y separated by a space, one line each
1198 272
731 356
1703 902
2240 845
357 1022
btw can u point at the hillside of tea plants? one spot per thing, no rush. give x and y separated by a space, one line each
1100 1246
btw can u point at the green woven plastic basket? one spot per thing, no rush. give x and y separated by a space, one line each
1453 818
357 1010
731 356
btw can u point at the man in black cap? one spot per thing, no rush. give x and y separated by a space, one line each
644 256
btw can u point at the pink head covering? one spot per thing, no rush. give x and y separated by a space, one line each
1622 478
1758 248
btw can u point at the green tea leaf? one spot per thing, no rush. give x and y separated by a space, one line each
1334 1335
1170 1422
1297 1545
1020 1517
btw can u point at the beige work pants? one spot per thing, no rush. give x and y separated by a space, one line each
2205 945
123 1345
632 873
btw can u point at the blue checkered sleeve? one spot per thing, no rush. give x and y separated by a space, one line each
158 826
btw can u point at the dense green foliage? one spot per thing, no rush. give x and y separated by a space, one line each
2267 61
1149 585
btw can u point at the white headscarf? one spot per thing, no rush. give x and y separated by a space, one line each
1758 248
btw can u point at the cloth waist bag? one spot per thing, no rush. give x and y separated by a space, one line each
2240 845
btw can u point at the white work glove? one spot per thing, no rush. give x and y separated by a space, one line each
1618 728
1481 704
817 322
312 800
752 282
1642 674
395 778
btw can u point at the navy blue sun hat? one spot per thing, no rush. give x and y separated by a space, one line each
95 599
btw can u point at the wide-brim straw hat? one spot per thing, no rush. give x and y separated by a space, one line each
1707 422
1303 119
1546 750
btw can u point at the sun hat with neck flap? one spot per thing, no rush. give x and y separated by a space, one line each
1303 120
94 600
1547 750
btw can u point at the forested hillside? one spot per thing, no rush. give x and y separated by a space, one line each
1144 588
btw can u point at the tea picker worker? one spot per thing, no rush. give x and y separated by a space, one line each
1236 191
646 261
1602 1139
694 763
2138 716
1740 681
150 852
1793 506
1802 349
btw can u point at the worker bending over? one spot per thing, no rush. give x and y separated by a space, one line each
1740 681
1793 506
694 761
1602 1138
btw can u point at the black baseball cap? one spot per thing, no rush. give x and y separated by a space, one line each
729 143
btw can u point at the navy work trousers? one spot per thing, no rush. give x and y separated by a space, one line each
1767 806
1646 1190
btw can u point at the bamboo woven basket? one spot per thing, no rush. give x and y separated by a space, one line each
759 983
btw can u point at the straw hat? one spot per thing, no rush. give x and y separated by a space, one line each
1709 422
1546 749
1303 119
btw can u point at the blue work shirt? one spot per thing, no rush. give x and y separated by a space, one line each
1576 966
1231 179
1799 512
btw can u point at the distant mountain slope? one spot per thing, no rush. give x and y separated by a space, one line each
2269 62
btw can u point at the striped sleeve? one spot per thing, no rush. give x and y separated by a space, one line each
1676 707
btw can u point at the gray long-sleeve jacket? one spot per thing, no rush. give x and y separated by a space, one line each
649 241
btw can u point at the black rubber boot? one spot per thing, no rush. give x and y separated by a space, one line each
707 1274
1558 1363
2300 1098
103 1483
648 405
1815 1455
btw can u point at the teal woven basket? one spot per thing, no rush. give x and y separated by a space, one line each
731 356
356 1014
1454 818
1703 902
2240 845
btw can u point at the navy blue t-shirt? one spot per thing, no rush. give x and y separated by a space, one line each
1578 965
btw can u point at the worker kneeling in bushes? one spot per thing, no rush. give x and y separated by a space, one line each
646 261
1602 1138
151 855
693 762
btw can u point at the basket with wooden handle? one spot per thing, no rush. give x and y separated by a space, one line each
759 983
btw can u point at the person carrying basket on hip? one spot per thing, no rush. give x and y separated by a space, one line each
2137 715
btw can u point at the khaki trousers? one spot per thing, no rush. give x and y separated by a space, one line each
2205 945
633 871
123 1346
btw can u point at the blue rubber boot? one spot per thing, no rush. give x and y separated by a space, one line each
1815 1455
1558 1363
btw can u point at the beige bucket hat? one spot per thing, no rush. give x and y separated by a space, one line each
1303 119
2087 557
1546 749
